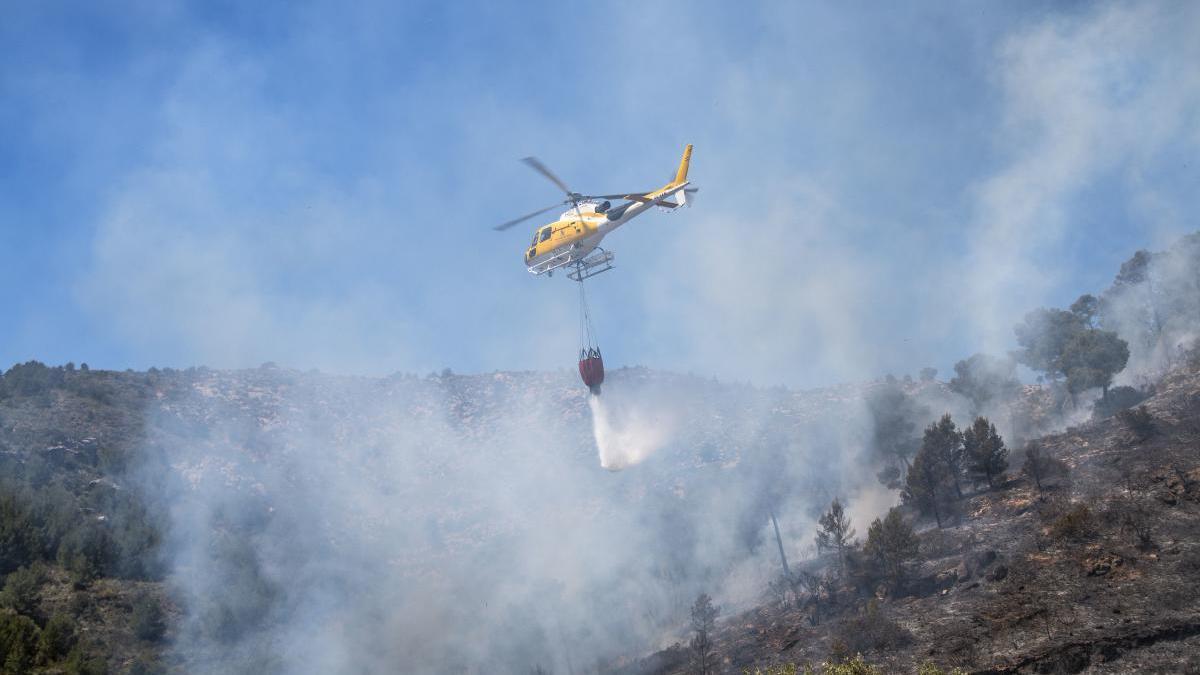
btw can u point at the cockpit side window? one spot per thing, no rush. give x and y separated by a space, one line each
545 233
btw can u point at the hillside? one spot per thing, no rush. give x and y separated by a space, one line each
270 519
1096 572
183 519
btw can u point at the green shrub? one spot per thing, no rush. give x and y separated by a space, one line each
784 669
81 603
30 379
80 662
58 637
18 644
86 552
851 666
20 592
148 621
20 541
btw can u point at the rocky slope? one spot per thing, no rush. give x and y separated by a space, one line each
227 497
464 522
1096 573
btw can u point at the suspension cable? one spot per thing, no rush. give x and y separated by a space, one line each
587 336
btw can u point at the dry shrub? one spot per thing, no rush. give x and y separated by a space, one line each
929 668
1139 421
1077 524
939 544
1189 565
1051 507
1134 518
870 630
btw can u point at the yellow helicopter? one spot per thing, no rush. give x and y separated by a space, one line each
574 239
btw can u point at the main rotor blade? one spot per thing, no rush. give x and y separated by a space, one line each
537 166
504 226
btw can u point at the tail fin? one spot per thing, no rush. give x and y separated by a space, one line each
681 175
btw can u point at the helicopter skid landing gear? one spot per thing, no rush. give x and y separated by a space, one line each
563 257
594 264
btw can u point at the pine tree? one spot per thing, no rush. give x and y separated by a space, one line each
1091 358
1069 344
935 469
704 618
891 542
945 443
835 532
985 453
925 484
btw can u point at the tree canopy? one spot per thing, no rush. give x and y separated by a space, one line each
891 542
986 456
835 532
1091 358
983 378
1067 344
893 437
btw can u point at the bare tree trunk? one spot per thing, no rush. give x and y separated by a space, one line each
779 540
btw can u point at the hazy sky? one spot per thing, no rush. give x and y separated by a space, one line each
883 187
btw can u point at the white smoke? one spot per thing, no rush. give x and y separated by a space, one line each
870 501
1086 98
394 531
627 434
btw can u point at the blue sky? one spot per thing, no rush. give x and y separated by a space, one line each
882 188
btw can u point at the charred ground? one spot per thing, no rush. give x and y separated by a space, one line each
1094 572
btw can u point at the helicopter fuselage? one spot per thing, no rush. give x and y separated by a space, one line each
580 230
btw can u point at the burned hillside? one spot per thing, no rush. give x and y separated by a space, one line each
1094 571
